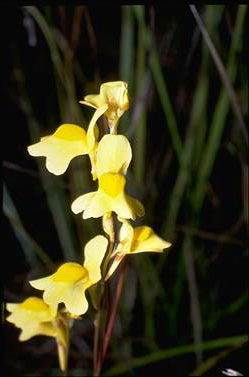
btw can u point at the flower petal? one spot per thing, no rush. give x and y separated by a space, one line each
82 202
47 328
136 205
118 258
28 331
95 250
33 329
123 207
53 292
31 309
69 272
112 184
75 299
88 103
67 142
125 236
96 204
28 316
125 240
34 317
142 233
100 204
70 293
146 240
67 285
116 92
92 128
18 317
11 307
114 155
40 283
93 156
108 225
94 100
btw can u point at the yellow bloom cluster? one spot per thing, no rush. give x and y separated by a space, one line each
110 158
35 317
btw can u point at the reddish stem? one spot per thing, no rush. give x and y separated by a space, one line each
112 318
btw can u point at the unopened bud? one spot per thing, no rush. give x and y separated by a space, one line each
108 225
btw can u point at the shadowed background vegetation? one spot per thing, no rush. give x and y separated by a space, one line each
184 311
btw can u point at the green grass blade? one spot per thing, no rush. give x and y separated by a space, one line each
231 308
55 56
154 357
160 85
184 175
195 307
30 248
140 134
177 294
166 103
210 362
195 131
126 64
220 114
222 72
191 152
213 16
70 111
150 288
53 186
127 48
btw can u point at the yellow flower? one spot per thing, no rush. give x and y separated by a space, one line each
135 240
69 283
67 142
34 317
113 158
113 97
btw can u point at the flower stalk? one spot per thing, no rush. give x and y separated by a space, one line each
111 320
62 323
110 158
